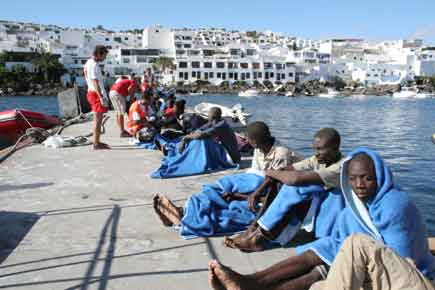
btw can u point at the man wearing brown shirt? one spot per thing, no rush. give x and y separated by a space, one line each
323 168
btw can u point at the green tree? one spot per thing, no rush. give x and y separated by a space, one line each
163 63
48 65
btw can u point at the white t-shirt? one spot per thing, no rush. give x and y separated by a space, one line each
92 71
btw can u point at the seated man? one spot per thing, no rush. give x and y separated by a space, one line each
364 263
374 206
321 169
218 129
268 154
140 114
173 120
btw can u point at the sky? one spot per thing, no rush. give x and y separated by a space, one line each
315 19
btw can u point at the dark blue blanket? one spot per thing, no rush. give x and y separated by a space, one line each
199 156
207 213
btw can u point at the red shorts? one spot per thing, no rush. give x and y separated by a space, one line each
95 102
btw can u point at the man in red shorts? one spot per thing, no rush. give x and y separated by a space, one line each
118 94
97 95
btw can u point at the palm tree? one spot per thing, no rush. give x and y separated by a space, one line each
163 63
49 65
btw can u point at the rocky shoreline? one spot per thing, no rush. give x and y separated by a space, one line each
33 90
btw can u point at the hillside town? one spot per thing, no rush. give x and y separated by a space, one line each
216 55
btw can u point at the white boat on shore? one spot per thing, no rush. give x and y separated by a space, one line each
330 94
235 116
248 93
200 93
406 93
424 96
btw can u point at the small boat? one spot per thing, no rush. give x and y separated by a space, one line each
330 94
235 116
13 123
248 93
289 94
406 93
424 95
200 93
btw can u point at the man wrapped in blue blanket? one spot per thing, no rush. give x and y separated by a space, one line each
310 199
221 208
374 207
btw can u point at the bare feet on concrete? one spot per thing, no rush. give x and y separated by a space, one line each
167 211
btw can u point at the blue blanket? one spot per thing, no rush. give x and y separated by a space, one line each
390 217
151 145
329 206
199 156
207 213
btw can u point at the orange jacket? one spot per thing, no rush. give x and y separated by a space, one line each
137 112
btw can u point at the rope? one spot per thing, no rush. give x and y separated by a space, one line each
24 117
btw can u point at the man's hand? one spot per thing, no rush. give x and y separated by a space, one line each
253 200
182 145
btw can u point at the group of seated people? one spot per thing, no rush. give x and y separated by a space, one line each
349 225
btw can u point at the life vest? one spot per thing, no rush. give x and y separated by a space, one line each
136 109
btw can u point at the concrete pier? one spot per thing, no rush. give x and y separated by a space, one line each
74 218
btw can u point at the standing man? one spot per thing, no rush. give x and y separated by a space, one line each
148 80
97 95
118 94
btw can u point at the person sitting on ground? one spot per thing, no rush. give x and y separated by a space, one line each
364 263
375 207
323 168
218 129
140 114
268 154
173 121
170 108
118 94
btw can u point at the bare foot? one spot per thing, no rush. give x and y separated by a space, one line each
247 242
213 280
101 146
170 210
231 241
163 218
230 279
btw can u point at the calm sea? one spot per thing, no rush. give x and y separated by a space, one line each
400 130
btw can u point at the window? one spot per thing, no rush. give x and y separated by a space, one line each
206 75
186 75
107 39
256 65
194 74
211 75
232 65
76 61
219 75
187 45
125 38
83 61
220 65
266 75
271 75
283 76
180 75
278 66
242 76
207 64
244 65
290 75
260 75
230 75
255 75
126 60
198 74
248 76
182 64
224 76
267 65
195 64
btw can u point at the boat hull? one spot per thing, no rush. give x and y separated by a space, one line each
14 123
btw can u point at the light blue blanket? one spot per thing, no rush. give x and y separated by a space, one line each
208 214
199 156
329 205
390 217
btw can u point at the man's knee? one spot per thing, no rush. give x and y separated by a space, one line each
358 241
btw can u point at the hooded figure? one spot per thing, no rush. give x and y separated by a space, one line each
389 216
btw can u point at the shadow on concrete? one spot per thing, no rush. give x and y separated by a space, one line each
96 279
13 187
94 208
14 226
83 261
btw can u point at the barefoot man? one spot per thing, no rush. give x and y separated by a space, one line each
97 95
268 154
375 207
